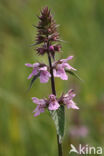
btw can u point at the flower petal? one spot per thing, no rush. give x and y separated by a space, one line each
60 72
72 105
36 64
38 110
66 65
28 65
67 59
43 68
37 113
35 71
71 94
53 105
39 101
29 77
44 76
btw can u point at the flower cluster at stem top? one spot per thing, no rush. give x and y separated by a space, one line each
48 42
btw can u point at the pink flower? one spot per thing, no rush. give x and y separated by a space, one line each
53 103
41 104
51 48
43 70
60 66
67 100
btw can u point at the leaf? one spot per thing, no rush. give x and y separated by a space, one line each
74 74
32 81
34 44
59 118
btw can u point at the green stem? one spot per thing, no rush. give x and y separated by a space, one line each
54 92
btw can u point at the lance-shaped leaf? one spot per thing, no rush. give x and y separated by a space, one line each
34 44
59 119
32 81
74 74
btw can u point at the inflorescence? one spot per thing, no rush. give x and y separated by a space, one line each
48 42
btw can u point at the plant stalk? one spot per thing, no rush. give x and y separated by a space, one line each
54 92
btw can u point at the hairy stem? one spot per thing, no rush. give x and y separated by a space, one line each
52 77
54 92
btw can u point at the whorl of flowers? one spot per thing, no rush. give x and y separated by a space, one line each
48 42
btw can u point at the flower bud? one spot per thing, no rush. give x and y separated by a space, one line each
57 47
40 51
47 33
51 48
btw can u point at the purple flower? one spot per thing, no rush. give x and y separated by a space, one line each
60 66
67 100
41 104
54 48
60 72
51 48
39 69
53 103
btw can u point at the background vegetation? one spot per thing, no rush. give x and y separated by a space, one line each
82 27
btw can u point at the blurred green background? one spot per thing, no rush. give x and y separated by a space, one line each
82 27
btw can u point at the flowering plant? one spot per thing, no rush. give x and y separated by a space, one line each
48 42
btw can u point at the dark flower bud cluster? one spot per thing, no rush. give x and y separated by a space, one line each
47 34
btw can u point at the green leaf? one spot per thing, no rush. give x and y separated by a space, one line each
74 74
59 119
32 81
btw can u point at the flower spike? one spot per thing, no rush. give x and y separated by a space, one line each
47 33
